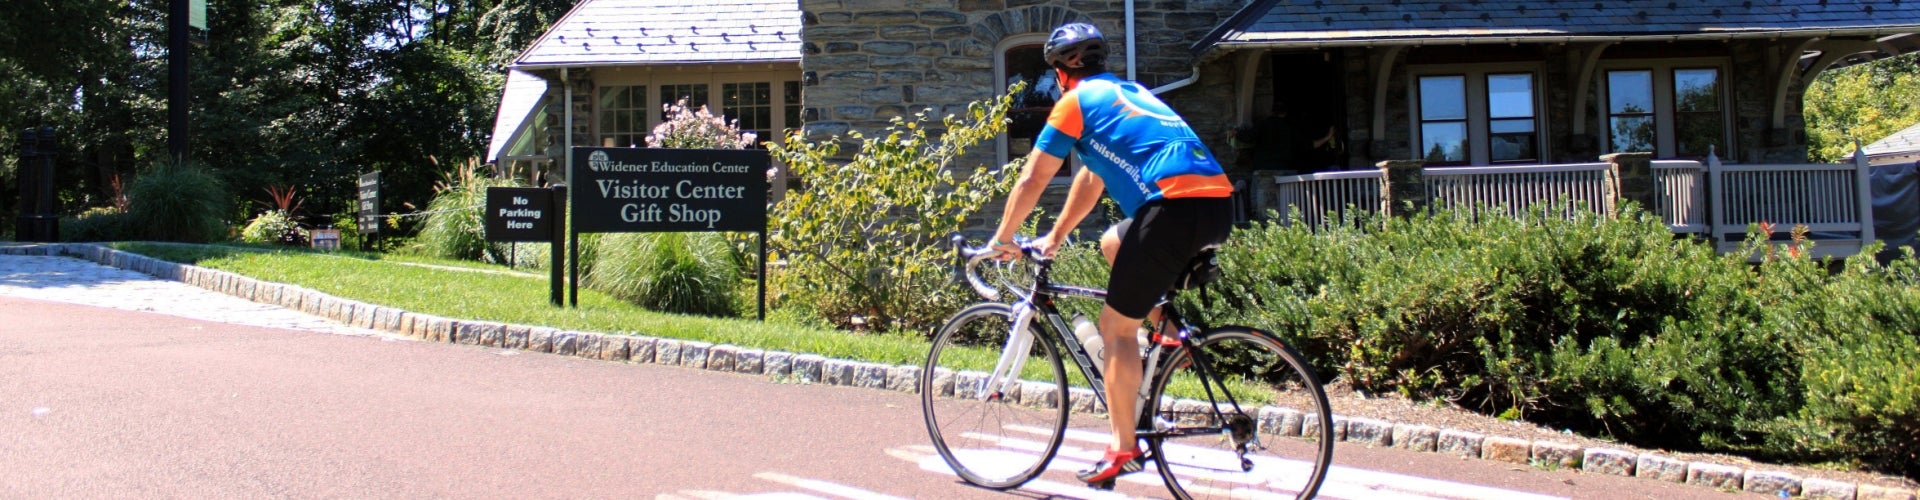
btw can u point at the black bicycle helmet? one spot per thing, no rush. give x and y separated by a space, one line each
1075 45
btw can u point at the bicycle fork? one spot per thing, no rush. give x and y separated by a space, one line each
1013 359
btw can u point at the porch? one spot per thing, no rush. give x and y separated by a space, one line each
1711 200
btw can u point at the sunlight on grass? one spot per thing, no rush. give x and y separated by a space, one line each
517 298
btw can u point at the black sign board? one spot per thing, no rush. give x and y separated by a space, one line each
370 203
624 190
520 214
635 190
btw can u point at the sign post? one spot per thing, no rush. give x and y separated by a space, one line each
626 190
530 214
369 208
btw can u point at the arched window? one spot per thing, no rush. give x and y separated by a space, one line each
1020 60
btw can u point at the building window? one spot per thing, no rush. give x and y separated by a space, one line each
1023 62
752 105
1698 124
623 116
1673 108
792 98
1630 118
694 93
1511 134
1443 119
1477 116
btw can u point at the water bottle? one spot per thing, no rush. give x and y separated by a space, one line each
1089 335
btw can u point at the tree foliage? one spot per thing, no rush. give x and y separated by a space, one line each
866 239
307 93
1864 103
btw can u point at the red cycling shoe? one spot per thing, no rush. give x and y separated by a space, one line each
1112 466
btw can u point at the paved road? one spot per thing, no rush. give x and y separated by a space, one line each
118 402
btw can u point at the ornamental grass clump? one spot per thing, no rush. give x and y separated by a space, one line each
454 227
177 202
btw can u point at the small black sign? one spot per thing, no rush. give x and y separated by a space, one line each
370 203
620 190
520 214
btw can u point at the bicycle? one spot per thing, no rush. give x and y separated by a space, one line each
1227 444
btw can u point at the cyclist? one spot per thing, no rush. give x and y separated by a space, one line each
1174 193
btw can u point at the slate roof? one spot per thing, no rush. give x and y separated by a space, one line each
519 99
1356 22
1904 141
636 32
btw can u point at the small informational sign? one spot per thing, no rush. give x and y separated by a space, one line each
197 14
325 239
370 203
520 214
622 190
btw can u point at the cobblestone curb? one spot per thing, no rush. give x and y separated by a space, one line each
632 347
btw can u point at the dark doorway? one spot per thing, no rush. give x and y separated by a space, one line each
1312 87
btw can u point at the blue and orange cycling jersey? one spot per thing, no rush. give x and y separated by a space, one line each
1134 142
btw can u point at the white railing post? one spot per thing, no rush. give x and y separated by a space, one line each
1716 200
1863 175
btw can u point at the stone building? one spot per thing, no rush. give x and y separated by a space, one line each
1468 82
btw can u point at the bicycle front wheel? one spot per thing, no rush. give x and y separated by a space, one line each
1241 418
995 402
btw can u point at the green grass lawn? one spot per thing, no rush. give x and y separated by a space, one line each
467 290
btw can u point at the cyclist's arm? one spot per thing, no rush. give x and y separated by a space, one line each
1034 177
1080 201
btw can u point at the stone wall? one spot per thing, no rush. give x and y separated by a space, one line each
868 61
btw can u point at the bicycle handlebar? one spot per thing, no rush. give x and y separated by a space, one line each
967 263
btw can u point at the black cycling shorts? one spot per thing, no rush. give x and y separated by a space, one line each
1156 245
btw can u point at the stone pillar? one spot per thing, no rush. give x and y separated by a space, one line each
1632 175
1403 187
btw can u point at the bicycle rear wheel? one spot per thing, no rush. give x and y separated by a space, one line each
995 432
1268 445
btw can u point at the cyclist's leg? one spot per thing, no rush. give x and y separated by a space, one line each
1110 248
1152 249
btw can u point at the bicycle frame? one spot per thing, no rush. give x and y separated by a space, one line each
1041 301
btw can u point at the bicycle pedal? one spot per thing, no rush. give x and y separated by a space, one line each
1106 485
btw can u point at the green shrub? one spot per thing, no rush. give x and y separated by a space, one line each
96 224
868 238
1611 326
273 227
689 273
177 202
1606 325
1855 333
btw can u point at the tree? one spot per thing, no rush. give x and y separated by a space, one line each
1864 102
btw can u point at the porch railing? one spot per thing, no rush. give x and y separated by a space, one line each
1833 201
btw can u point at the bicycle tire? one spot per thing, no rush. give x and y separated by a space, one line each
1007 438
1283 412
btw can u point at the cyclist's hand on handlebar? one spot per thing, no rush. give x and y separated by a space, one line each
1047 246
1007 251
